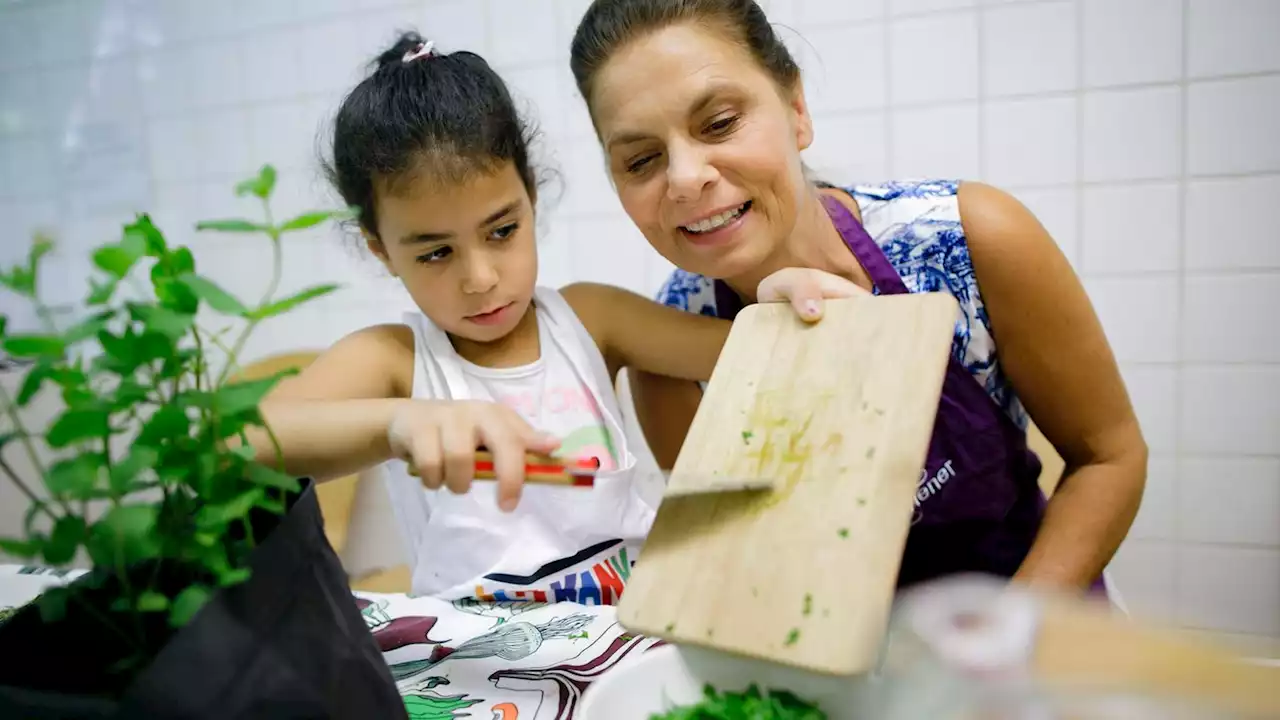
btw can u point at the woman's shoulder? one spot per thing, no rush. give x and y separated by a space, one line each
688 291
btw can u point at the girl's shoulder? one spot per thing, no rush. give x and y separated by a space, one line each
372 362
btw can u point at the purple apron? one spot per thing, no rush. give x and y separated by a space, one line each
978 500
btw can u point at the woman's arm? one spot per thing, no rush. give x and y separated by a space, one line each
331 419
665 408
1056 355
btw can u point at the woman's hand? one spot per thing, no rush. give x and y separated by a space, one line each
805 289
439 439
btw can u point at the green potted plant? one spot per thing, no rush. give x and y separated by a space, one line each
211 590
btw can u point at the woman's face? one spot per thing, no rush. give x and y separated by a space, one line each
703 147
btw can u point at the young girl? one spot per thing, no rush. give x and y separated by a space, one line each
432 151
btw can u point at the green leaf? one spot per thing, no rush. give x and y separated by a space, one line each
260 186
234 576
306 220
182 261
236 398
33 346
32 383
68 533
262 475
152 239
233 225
126 534
4 322
166 423
24 549
151 601
19 280
283 306
218 299
115 259
87 328
76 425
40 247
124 473
52 603
162 320
100 292
187 604
74 477
216 514
175 295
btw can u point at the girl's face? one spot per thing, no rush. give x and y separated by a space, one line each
703 147
465 251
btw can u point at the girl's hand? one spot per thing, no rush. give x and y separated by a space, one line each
439 440
805 289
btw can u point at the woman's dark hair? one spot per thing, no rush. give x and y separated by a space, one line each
610 24
450 110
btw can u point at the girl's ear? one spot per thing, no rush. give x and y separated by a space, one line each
379 251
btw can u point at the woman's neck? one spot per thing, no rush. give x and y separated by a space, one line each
814 243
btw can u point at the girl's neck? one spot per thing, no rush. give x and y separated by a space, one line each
519 347
814 243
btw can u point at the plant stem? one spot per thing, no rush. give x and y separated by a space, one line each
133 642
277 256
22 487
24 437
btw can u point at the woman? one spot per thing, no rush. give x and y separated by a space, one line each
702 115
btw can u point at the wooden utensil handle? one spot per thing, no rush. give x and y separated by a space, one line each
538 470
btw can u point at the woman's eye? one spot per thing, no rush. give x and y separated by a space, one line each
505 232
723 125
436 255
639 163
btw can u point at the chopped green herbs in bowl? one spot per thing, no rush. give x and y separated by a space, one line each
749 705
682 682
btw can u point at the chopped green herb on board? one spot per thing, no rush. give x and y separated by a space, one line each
793 636
843 533
746 436
808 604
750 705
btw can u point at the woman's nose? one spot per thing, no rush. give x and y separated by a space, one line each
688 173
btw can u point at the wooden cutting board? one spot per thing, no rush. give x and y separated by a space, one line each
839 414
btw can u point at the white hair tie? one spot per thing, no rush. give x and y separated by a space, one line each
423 50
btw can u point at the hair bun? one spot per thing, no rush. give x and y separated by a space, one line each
394 55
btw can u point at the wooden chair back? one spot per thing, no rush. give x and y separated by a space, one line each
337 496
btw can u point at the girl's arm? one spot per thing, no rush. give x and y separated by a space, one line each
635 332
331 419
1056 355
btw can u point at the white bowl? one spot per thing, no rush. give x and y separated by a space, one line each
671 676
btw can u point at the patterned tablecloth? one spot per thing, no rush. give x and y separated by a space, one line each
464 659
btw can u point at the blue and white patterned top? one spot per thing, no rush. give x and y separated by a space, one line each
917 225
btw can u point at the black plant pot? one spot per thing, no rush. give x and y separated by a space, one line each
289 643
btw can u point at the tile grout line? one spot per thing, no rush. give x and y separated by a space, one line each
890 163
1179 397
980 17
1078 185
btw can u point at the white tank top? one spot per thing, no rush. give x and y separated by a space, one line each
561 543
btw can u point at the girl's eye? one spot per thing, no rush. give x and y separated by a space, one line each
436 255
639 163
723 125
505 232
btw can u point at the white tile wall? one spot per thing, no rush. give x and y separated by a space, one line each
1141 132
